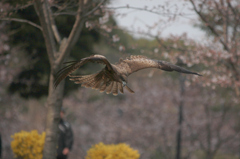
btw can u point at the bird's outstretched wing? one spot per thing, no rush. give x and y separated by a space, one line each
136 63
73 65
101 81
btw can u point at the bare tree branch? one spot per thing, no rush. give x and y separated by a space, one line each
77 27
74 34
22 21
232 9
65 13
209 26
43 13
54 28
147 10
21 7
94 9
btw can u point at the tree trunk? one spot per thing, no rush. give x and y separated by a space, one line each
58 49
54 104
180 117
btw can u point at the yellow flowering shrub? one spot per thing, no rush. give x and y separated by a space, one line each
119 151
28 145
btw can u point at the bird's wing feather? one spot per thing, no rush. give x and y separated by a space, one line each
115 88
99 81
136 63
107 79
166 66
73 65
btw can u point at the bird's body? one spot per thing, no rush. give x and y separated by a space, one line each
113 77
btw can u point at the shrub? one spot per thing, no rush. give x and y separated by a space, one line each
119 151
28 145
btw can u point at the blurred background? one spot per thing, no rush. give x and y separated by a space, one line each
170 115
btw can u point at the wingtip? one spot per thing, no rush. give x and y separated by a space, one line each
198 74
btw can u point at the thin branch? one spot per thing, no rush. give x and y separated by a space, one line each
74 34
164 46
232 9
54 27
236 24
94 9
138 8
49 25
147 10
221 141
195 137
65 13
41 9
210 26
201 6
225 45
20 7
22 21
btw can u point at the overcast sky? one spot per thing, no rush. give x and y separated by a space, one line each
135 20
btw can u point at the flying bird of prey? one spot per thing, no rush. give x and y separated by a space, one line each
113 77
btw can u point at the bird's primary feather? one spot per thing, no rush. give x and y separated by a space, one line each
113 77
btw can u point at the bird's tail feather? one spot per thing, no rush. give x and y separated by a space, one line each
120 87
129 89
115 88
109 88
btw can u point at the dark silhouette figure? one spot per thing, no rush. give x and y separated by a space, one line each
65 140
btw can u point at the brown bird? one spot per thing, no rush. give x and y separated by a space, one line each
113 77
